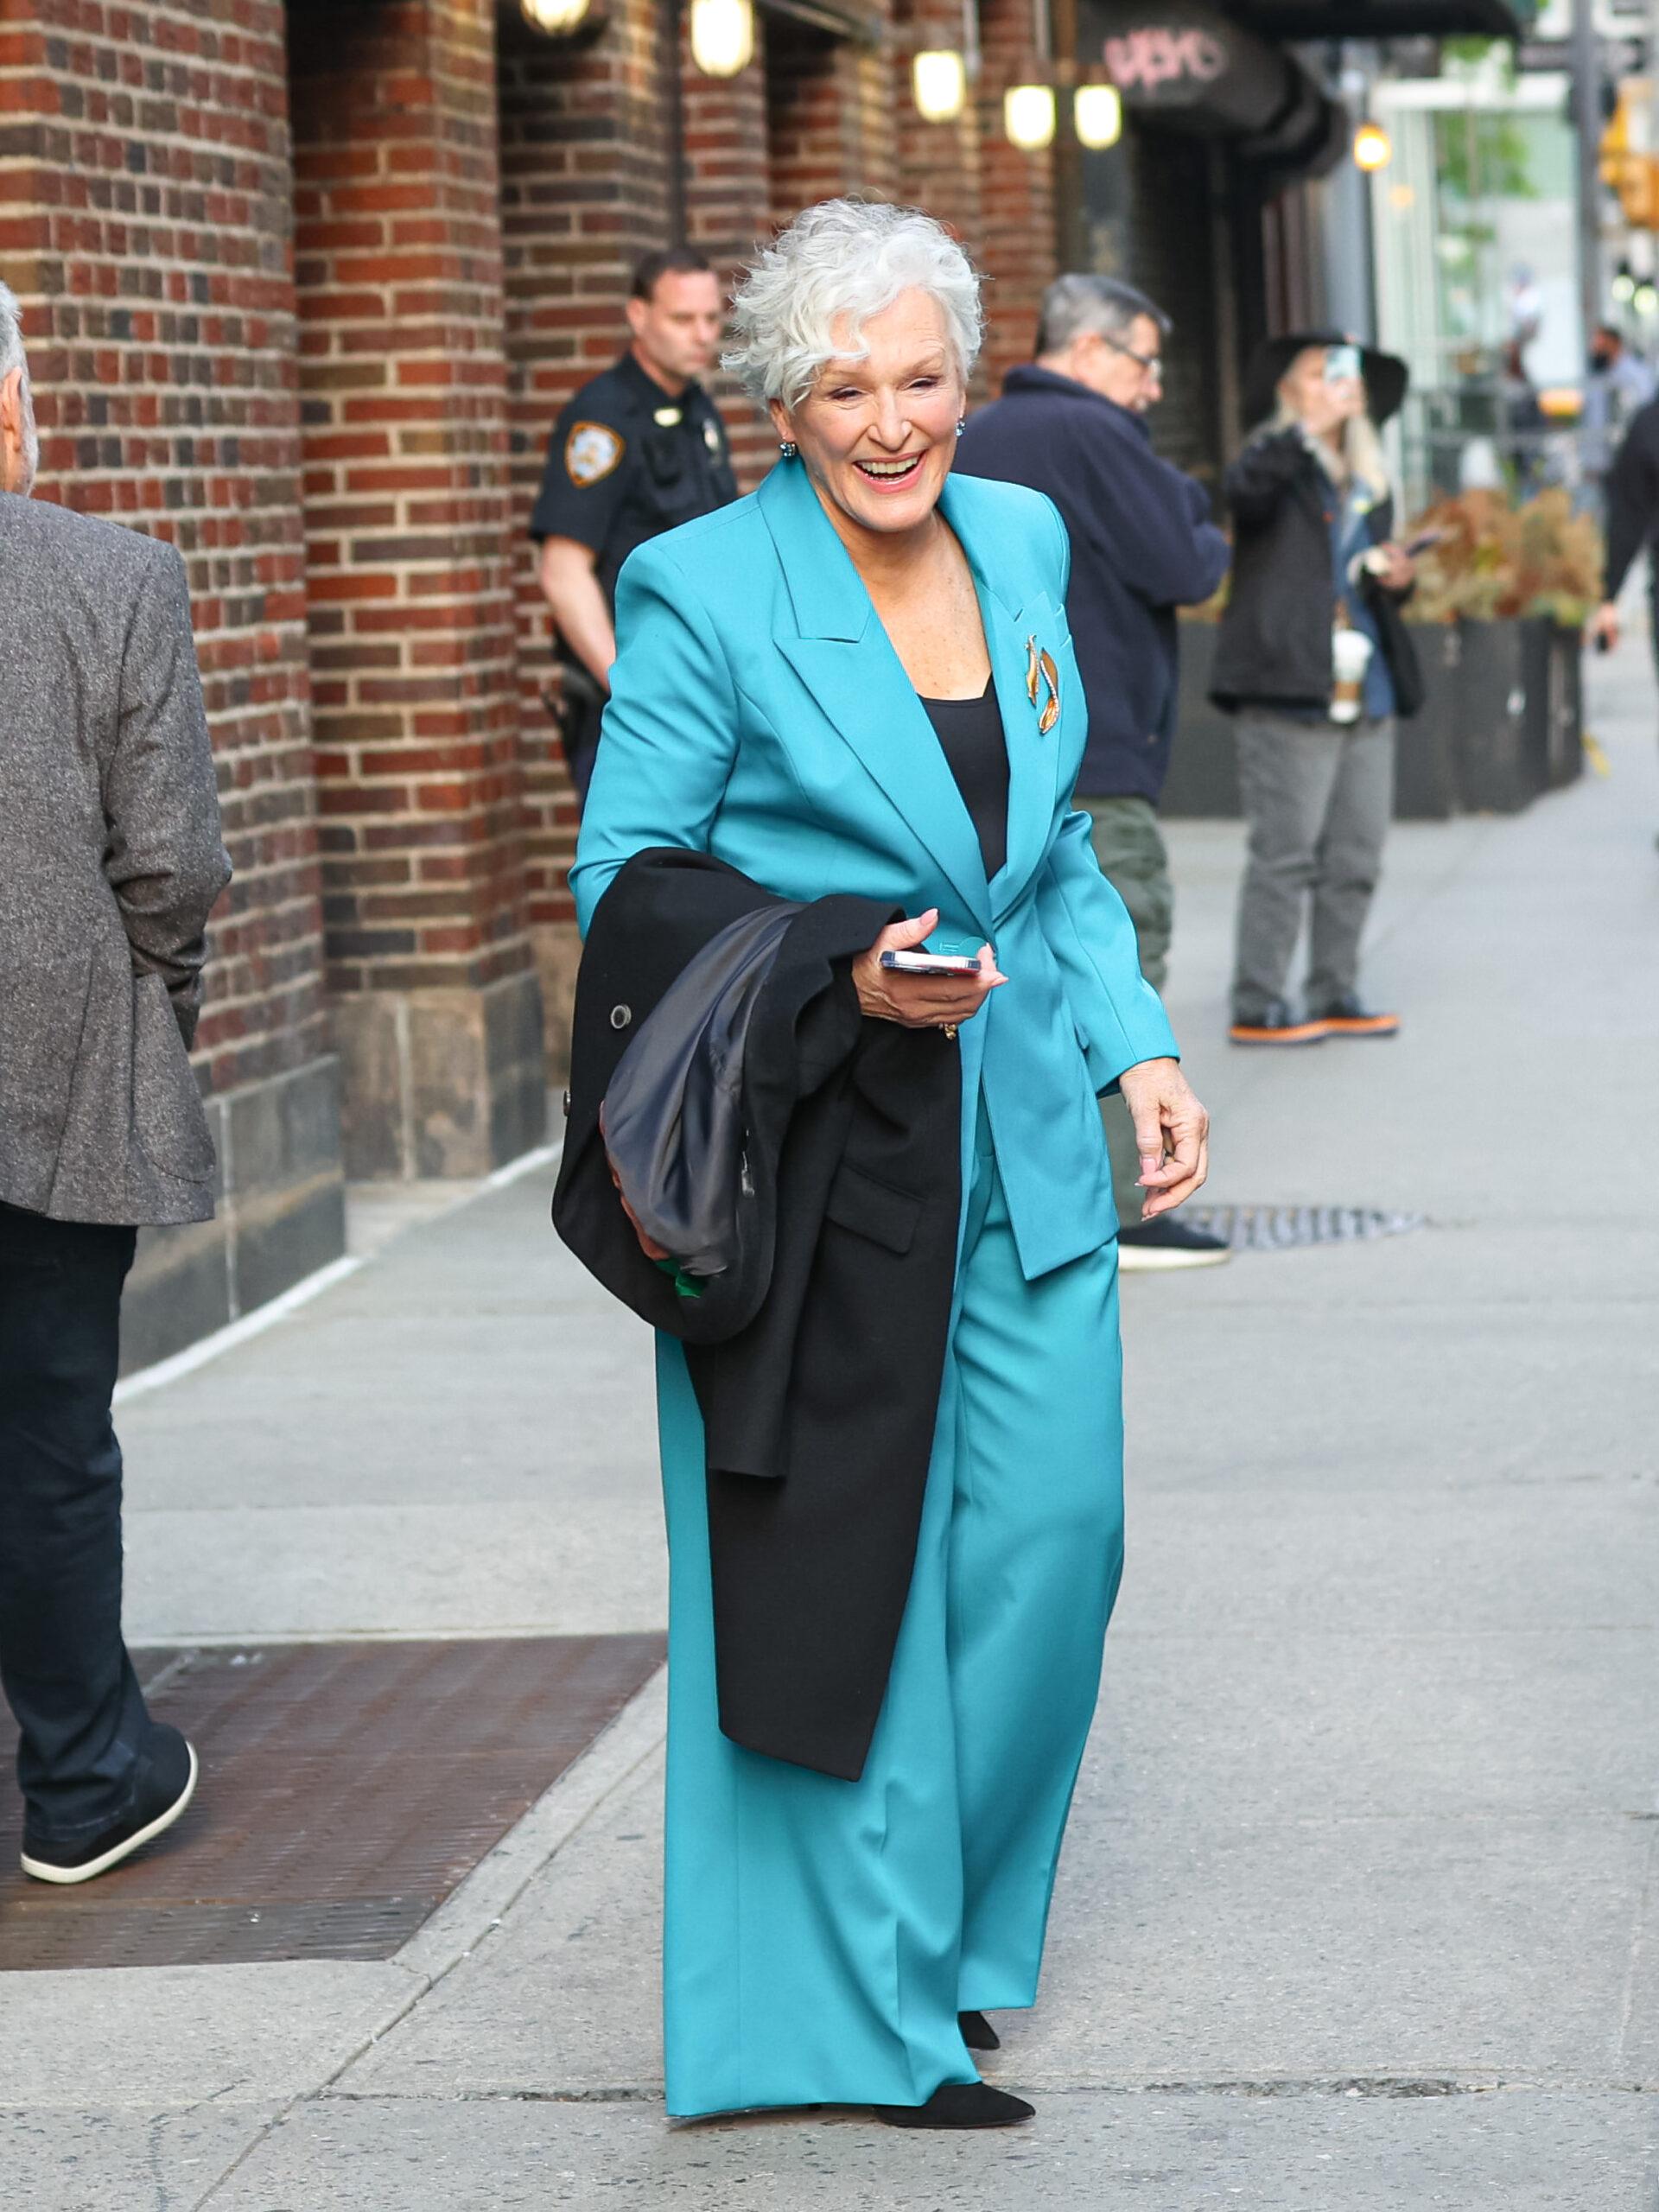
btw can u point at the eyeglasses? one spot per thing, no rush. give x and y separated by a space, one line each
1152 364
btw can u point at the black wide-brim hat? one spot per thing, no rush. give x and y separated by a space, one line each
1385 374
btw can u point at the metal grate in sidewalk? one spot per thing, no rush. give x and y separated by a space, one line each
1283 1228
345 1789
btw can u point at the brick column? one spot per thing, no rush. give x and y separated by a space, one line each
1017 195
584 195
938 163
728 204
410 569
143 163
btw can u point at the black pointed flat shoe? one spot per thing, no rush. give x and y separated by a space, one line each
977 2032
959 2104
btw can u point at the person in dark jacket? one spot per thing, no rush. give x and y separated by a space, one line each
1314 660
1632 522
1072 423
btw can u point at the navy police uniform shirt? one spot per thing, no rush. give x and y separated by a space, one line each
626 462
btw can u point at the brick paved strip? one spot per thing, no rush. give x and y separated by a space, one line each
346 1789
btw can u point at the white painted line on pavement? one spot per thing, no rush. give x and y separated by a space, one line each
526 1164
312 1286
236 1332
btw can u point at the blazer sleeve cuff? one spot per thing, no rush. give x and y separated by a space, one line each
1146 1036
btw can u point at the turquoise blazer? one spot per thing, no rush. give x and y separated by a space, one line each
758 712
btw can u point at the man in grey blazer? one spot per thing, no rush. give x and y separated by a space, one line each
111 860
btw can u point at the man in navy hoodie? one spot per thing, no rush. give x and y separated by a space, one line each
1073 424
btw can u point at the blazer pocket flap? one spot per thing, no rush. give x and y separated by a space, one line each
875 1210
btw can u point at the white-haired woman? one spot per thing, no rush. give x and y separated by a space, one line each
859 680
1315 661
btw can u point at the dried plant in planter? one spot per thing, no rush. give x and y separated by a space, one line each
1497 562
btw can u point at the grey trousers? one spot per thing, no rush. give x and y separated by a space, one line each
1129 846
1317 797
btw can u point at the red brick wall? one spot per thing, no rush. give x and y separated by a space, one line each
940 164
829 118
728 206
410 556
1017 198
143 166
584 194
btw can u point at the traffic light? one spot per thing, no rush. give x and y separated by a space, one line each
1629 168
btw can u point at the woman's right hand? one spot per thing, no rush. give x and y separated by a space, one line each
921 1001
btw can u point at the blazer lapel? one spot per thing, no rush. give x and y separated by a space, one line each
1013 633
843 657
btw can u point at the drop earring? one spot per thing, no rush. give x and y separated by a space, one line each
962 424
788 448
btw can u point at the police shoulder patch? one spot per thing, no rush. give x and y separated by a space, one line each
591 452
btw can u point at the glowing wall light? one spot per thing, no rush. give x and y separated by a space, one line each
1097 112
938 78
555 17
1373 148
1028 116
722 36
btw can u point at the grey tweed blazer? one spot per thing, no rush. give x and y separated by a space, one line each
110 860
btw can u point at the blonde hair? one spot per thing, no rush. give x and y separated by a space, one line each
1360 458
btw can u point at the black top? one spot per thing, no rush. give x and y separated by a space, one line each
628 460
970 736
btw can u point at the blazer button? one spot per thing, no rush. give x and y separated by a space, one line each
622 1016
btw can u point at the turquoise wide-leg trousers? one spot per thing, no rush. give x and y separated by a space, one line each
822 1936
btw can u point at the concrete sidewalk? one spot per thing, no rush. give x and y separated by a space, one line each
1357 1909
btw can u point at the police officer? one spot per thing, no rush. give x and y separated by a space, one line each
637 450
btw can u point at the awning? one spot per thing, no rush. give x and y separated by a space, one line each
1374 19
840 18
1190 69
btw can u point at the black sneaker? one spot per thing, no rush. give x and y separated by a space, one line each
166 1782
1167 1242
1277 1025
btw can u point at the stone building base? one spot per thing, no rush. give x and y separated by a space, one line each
281 1215
558 952
444 1082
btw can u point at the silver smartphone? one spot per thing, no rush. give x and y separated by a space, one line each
931 963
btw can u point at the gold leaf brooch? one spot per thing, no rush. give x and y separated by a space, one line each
1039 668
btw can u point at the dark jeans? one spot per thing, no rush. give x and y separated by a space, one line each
63 1666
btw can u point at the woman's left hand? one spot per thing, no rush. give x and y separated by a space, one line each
1171 1133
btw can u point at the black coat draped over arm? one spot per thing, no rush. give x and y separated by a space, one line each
817 1356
